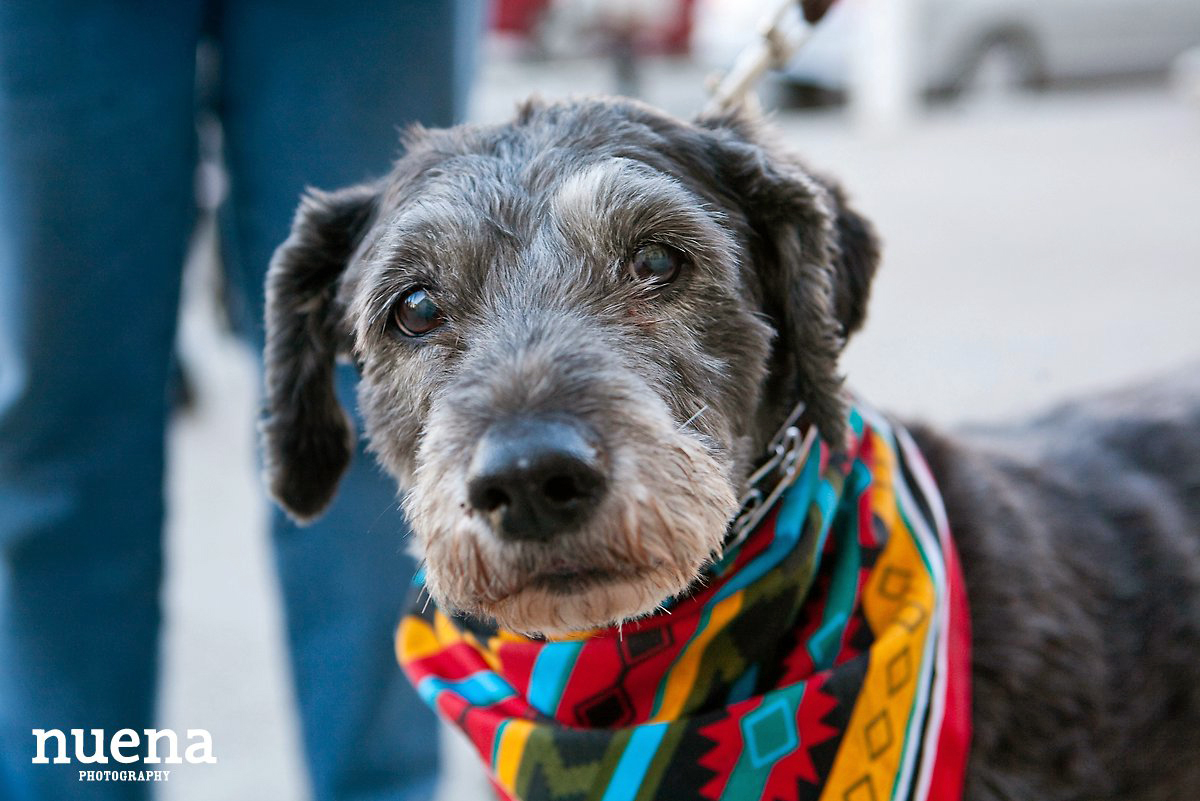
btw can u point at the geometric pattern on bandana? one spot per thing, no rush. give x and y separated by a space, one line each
826 657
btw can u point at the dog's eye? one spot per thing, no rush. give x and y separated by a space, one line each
416 313
656 263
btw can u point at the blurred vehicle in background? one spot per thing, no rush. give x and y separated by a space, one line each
566 28
963 45
622 30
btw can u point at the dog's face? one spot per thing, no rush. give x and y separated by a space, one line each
575 333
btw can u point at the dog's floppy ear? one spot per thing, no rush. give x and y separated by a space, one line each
856 260
307 436
815 255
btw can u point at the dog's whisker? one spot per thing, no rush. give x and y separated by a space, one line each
386 509
693 418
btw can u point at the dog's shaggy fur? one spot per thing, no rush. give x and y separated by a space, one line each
1078 534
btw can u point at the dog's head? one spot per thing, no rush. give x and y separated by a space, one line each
576 333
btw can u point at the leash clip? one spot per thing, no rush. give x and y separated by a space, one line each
781 33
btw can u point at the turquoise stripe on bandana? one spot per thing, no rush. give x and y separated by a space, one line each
550 673
635 761
826 641
481 689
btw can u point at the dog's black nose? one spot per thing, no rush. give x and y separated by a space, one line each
538 477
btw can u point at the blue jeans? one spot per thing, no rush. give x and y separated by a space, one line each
97 152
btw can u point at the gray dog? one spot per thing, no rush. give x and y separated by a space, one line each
593 319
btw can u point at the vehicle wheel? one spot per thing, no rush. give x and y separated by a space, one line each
1002 65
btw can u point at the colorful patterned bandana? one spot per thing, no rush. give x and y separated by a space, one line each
825 658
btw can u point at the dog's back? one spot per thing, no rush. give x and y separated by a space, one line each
1080 542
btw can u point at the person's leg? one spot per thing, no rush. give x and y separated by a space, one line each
96 130
314 95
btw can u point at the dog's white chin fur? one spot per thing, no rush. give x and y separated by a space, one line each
556 614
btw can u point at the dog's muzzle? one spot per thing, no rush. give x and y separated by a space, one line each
535 478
